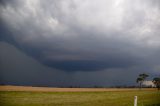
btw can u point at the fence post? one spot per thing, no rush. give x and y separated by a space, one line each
135 101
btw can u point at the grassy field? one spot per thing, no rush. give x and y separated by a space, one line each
87 98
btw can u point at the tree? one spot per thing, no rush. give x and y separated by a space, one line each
141 79
156 82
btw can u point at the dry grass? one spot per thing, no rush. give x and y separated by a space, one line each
52 89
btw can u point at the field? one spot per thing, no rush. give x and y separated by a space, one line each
41 96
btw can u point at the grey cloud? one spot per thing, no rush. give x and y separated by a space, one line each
78 35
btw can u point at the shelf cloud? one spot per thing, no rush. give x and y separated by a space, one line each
84 36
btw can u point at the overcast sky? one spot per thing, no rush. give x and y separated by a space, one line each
78 42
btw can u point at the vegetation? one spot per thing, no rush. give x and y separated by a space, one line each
156 81
108 98
141 78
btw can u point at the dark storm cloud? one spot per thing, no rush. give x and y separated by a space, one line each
20 69
78 35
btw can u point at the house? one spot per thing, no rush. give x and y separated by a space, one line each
148 84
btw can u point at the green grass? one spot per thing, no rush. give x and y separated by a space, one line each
110 98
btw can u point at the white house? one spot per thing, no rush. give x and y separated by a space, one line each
148 84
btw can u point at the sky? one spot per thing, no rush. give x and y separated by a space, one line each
78 42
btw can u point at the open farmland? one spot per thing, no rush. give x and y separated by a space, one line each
43 96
